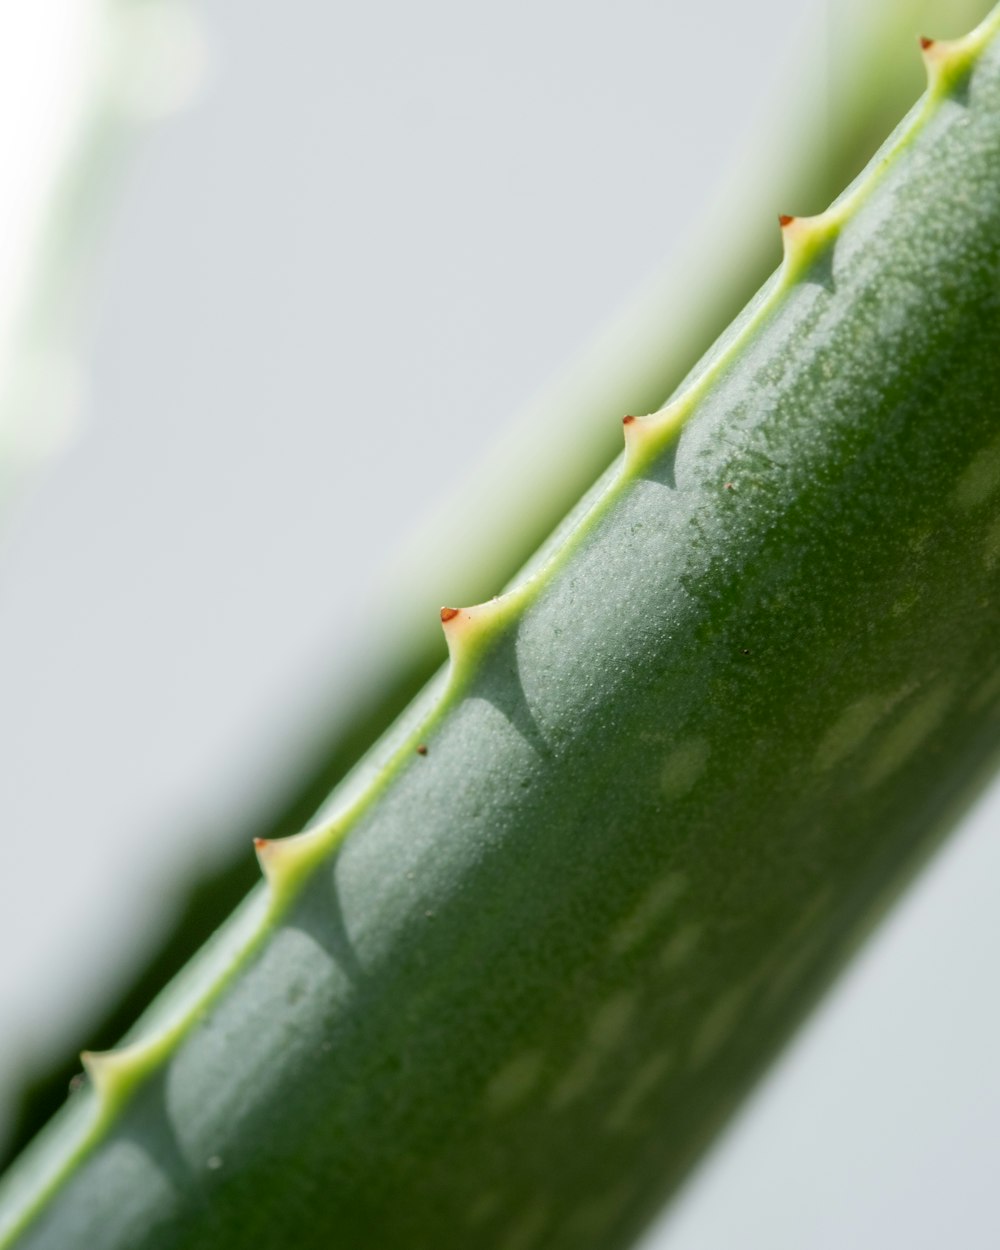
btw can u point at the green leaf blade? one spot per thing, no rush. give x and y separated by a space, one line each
505 997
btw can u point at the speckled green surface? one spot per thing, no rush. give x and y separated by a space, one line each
506 994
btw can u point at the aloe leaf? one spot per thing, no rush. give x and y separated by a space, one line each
551 930
633 366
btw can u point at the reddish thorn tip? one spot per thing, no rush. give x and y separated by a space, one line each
728 486
627 420
421 750
784 220
260 843
926 43
448 614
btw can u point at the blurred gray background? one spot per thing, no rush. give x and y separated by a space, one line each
324 289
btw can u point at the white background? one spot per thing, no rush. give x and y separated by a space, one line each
324 288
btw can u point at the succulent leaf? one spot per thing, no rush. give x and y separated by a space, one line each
559 920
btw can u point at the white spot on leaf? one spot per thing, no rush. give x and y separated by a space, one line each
853 726
914 726
576 1080
981 477
512 1083
991 547
683 767
641 920
681 947
611 1020
718 1024
643 1082
608 1027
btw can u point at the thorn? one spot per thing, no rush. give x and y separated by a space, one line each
728 486
805 238
95 1066
464 627
638 432
422 749
113 1073
948 61
457 620
284 861
935 55
264 850
646 437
